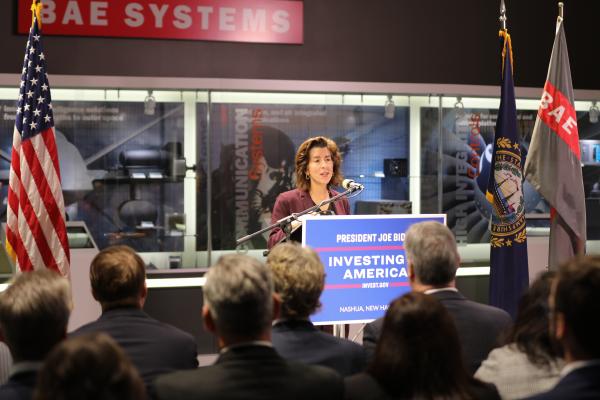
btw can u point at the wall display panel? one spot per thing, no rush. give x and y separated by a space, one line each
455 175
589 135
121 168
252 149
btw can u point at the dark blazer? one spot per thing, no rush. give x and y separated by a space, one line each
154 348
19 386
580 384
300 341
297 200
364 387
252 372
478 326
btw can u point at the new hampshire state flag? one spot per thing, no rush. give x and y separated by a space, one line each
509 273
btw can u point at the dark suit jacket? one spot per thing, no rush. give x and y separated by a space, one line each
154 348
19 386
299 340
297 200
580 384
364 387
478 326
252 372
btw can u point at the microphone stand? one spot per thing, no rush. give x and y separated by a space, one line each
285 223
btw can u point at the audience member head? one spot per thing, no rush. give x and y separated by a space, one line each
431 254
34 313
303 180
299 278
239 304
575 306
88 367
418 354
530 332
118 278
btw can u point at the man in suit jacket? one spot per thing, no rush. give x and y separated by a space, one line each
34 312
118 281
239 305
433 259
299 280
574 308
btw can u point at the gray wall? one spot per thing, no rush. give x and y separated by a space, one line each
425 41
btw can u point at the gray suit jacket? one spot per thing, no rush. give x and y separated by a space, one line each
478 326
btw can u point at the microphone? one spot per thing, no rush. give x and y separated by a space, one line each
350 184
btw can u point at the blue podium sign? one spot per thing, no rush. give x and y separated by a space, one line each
364 261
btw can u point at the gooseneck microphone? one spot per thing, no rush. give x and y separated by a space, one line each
350 184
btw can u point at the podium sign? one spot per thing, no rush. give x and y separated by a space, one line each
364 261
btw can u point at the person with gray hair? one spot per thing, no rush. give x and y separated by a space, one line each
239 306
299 278
432 258
34 313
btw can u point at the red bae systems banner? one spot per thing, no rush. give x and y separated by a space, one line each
262 21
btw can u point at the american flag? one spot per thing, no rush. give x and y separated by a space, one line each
35 223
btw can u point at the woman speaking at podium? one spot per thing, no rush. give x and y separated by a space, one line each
318 169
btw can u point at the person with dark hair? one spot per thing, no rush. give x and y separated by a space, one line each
299 278
418 356
118 281
574 309
318 169
239 307
34 313
530 362
88 367
432 260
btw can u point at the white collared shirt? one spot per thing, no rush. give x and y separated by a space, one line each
25 366
444 289
263 343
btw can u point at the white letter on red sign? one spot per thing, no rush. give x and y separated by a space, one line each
159 13
570 123
205 13
183 20
49 12
98 13
281 21
546 100
226 15
135 17
256 22
72 13
557 113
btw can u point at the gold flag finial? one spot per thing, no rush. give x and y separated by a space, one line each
36 12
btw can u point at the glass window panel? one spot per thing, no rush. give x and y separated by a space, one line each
121 165
252 149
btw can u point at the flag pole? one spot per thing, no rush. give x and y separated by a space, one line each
561 7
503 33
559 20
502 18
509 274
